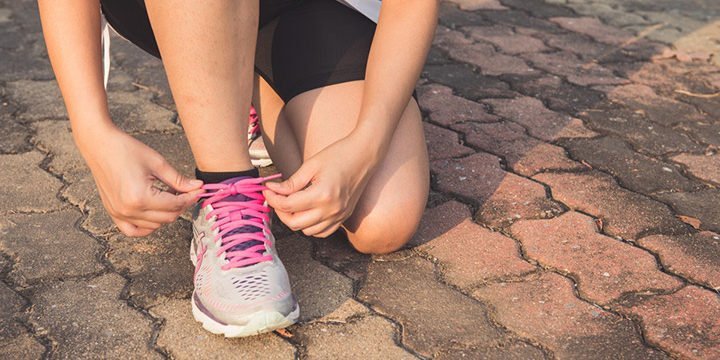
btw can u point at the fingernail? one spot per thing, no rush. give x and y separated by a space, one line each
196 182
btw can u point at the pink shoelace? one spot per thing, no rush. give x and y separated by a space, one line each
254 124
233 214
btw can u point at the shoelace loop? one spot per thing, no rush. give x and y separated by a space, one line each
231 215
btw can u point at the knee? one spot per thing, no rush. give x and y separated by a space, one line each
382 236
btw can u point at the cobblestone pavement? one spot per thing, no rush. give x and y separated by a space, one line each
573 214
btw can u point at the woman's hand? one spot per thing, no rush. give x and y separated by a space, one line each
124 170
323 193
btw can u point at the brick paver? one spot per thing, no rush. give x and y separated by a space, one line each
573 210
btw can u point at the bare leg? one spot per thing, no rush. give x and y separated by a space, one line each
390 209
208 50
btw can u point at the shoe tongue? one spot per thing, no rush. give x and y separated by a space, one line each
243 229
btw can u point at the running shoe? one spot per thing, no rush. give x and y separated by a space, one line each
258 153
241 286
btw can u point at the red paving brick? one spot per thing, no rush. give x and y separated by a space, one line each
695 256
686 323
567 64
443 143
440 220
446 109
623 213
706 167
595 29
506 39
545 310
540 121
605 268
523 154
502 197
471 254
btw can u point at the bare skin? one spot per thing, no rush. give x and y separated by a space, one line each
358 145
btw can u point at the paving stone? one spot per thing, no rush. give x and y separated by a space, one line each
48 246
538 8
446 109
502 197
686 323
26 59
337 253
319 290
542 123
370 337
595 29
485 255
623 213
614 15
55 137
644 135
347 311
433 317
184 338
472 5
511 351
82 192
11 308
443 143
438 221
37 195
569 327
518 18
523 154
451 16
87 319
158 265
145 71
134 112
559 95
506 39
659 109
705 132
695 256
464 80
634 171
174 147
605 268
482 55
701 205
706 167
38 99
576 71
15 137
22 347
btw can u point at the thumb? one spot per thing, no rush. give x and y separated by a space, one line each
298 181
171 177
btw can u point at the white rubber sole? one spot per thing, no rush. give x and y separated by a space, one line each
258 323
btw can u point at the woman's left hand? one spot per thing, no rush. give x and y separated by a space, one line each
323 193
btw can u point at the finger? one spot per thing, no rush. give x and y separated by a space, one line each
298 181
171 177
299 201
130 229
322 229
159 217
167 202
304 219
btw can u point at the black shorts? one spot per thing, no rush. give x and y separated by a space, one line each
302 44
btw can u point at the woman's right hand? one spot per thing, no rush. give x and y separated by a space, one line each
124 170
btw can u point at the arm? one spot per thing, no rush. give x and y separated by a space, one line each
401 43
123 167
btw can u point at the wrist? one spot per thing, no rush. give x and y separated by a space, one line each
90 133
371 142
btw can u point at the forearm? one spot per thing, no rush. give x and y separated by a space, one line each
402 39
72 35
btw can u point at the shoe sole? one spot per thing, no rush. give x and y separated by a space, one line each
257 323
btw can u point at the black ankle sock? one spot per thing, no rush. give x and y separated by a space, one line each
209 177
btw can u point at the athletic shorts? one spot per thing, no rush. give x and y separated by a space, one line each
302 44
